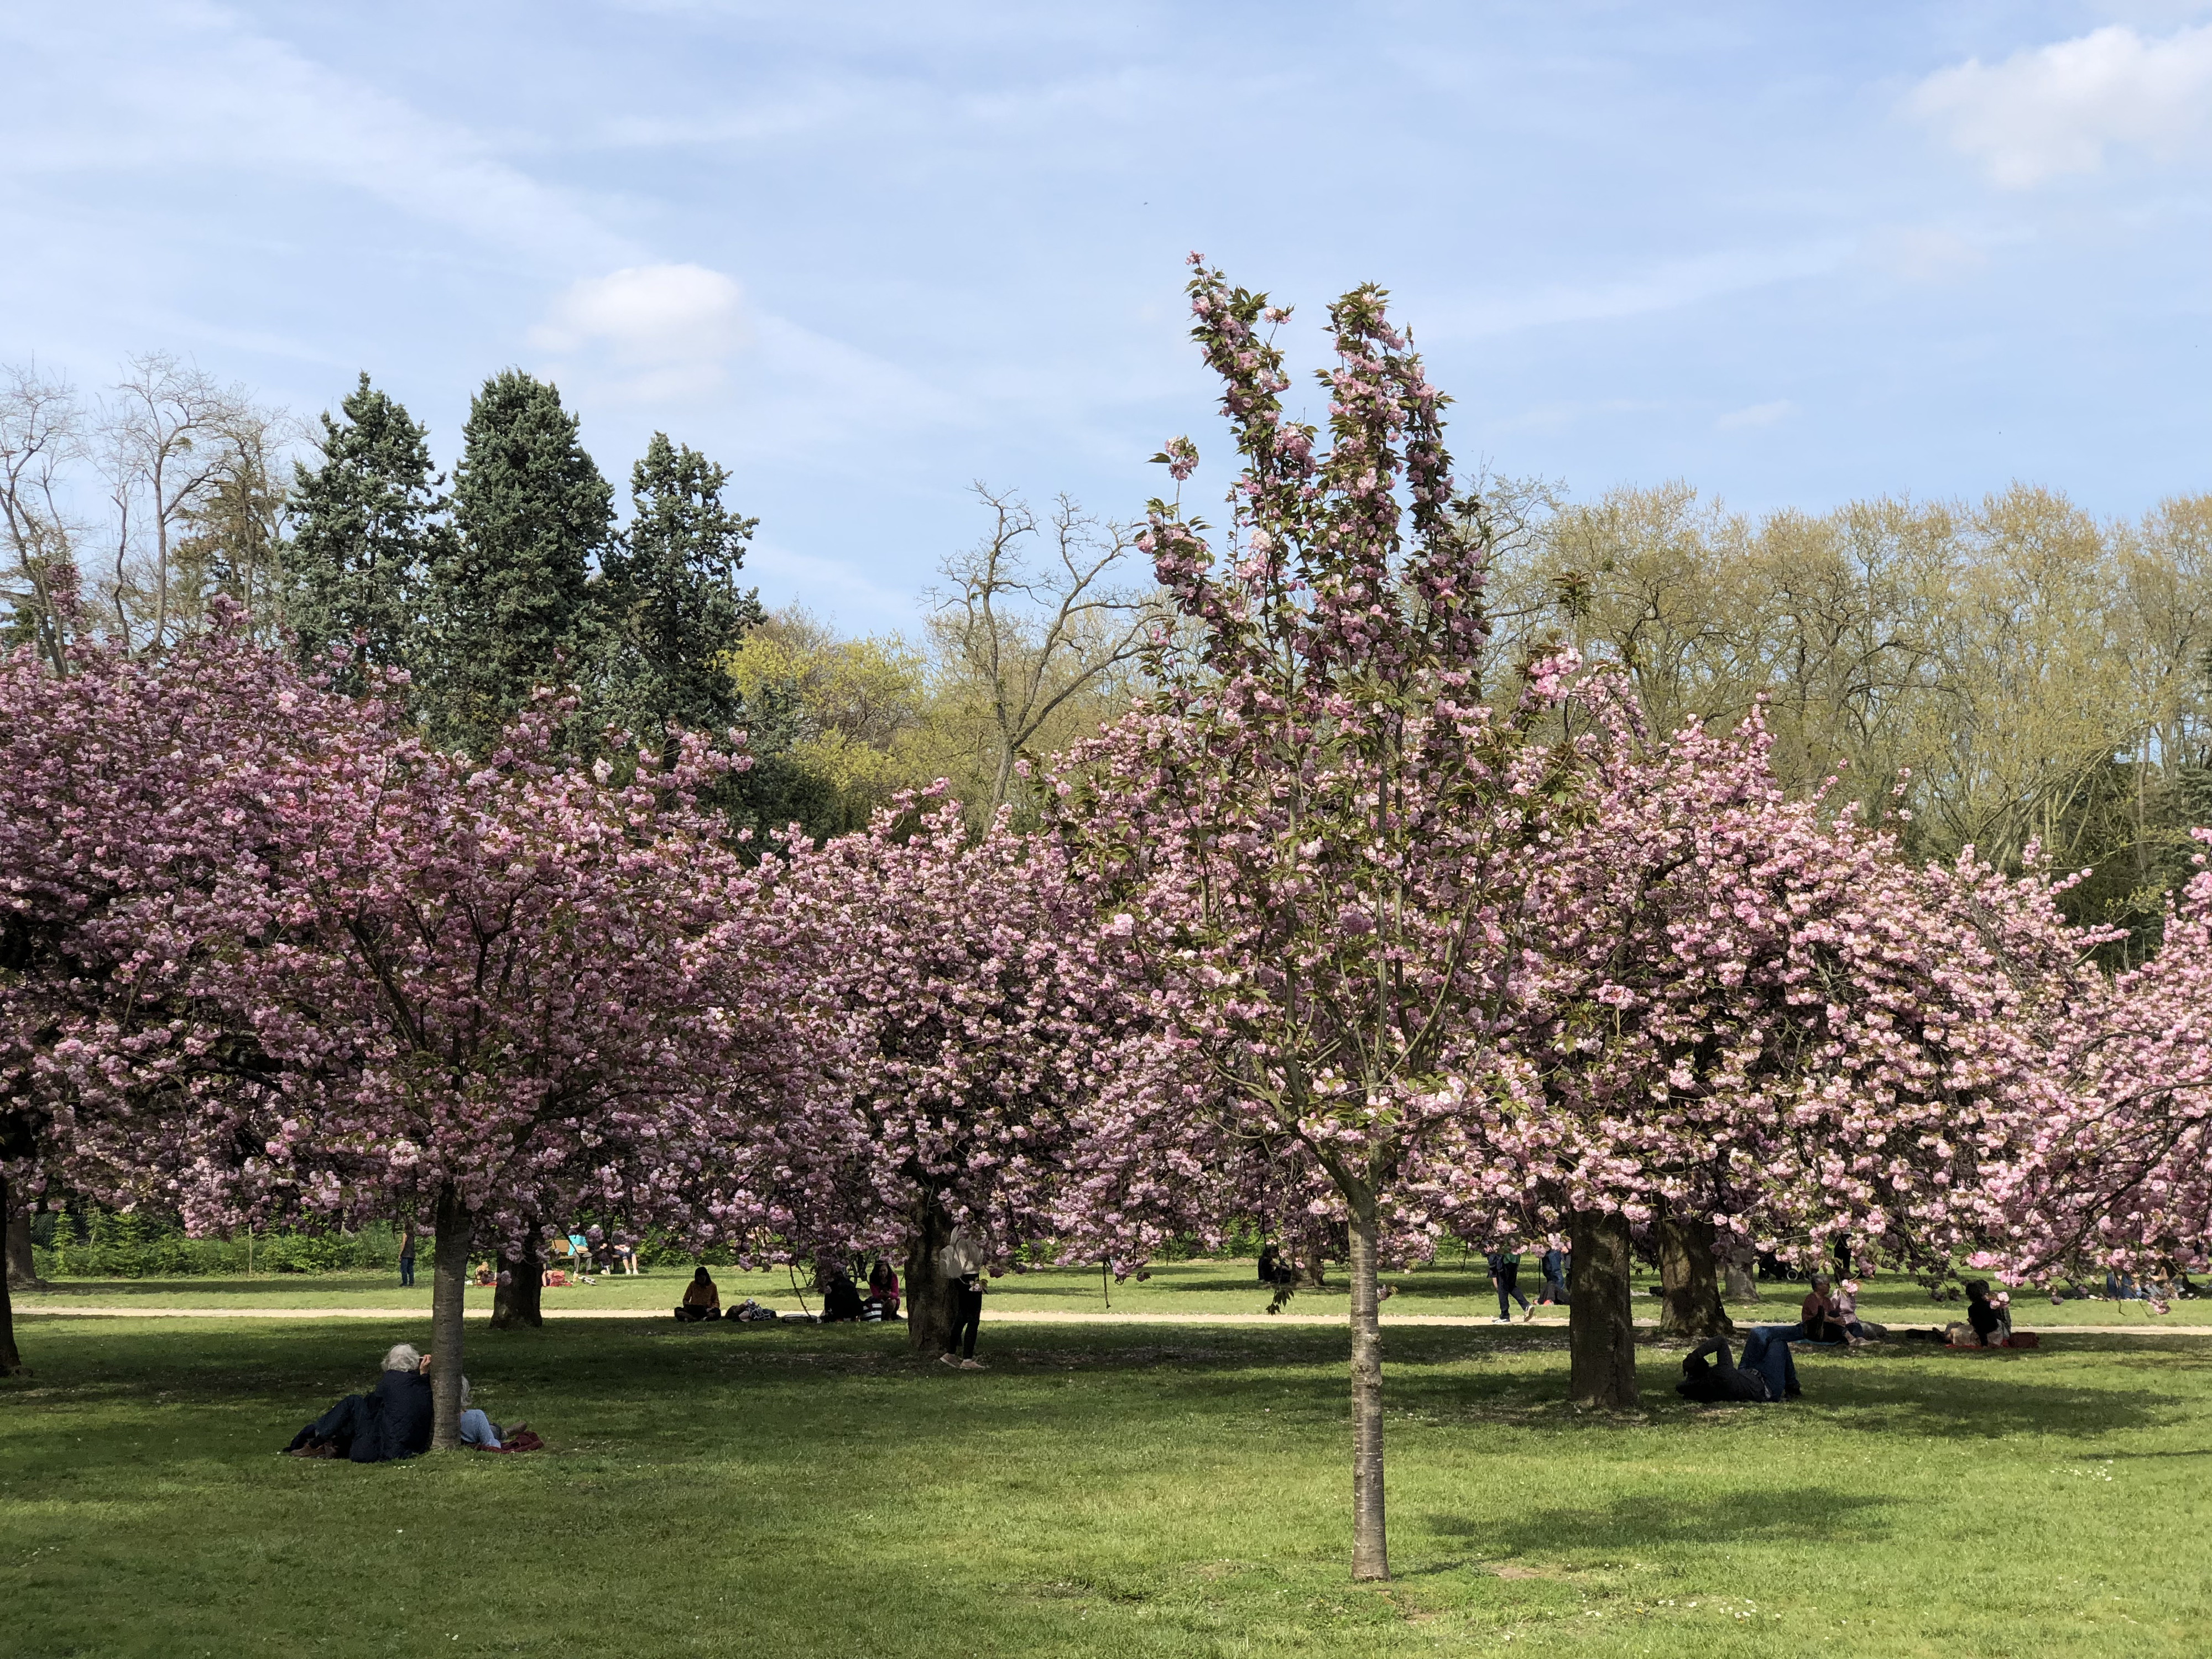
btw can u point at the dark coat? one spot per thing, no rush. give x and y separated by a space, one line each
397 1421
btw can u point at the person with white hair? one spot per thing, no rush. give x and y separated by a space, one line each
392 1420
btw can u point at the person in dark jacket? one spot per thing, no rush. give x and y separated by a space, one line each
1767 1374
392 1420
841 1299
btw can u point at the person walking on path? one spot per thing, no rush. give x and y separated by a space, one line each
1505 1280
1553 1263
960 1264
407 1259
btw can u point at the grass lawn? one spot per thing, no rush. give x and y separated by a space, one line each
1211 1286
1108 1490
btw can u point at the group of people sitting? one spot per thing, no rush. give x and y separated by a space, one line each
842 1301
395 1419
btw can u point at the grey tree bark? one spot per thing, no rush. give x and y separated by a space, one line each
449 1275
1370 1549
22 1266
1689 1280
1601 1330
521 1301
928 1311
1741 1284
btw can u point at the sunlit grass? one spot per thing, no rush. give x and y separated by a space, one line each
1118 1491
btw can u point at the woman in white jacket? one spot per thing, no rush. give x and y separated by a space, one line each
960 1264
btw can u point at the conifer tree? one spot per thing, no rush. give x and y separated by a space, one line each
508 602
366 525
670 609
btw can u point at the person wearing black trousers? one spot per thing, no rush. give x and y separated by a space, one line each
960 1265
1505 1277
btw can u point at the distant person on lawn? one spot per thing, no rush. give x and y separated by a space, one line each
700 1299
841 1299
392 1420
1989 1319
1553 1265
960 1264
883 1289
407 1260
1505 1280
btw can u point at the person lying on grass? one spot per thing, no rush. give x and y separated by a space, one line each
701 1300
393 1420
1767 1374
480 1432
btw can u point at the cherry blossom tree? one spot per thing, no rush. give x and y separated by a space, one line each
124 785
1751 1021
2120 1177
1308 840
958 1009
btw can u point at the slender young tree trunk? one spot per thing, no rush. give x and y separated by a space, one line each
1689 1278
1600 1332
449 1275
522 1300
22 1266
1371 1548
11 1361
928 1315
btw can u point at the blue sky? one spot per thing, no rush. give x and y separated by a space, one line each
865 255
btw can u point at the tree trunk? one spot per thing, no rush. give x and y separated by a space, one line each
22 1266
449 1276
1742 1284
11 1361
1689 1280
928 1310
1600 1332
1370 1548
521 1301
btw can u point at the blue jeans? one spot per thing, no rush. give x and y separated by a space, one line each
1767 1351
406 1271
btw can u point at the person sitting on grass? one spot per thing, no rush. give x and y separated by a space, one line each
392 1421
1819 1318
840 1301
1989 1319
1766 1376
700 1299
883 1289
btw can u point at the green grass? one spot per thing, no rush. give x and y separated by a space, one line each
1103 1490
1210 1286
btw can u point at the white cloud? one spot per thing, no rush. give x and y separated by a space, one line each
1755 416
648 316
2053 110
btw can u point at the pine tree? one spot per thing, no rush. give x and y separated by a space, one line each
366 525
670 606
509 602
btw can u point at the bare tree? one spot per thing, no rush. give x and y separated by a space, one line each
1027 641
41 433
166 438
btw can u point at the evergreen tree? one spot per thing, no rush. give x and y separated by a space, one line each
670 609
509 601
366 524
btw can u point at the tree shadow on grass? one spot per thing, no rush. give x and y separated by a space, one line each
1807 1515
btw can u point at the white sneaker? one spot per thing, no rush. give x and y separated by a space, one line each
973 1365
1501 1319
948 1359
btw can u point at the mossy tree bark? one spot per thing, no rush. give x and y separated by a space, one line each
1601 1331
449 1278
22 1266
11 1361
1689 1280
928 1314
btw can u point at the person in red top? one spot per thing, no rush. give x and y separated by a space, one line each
1820 1317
